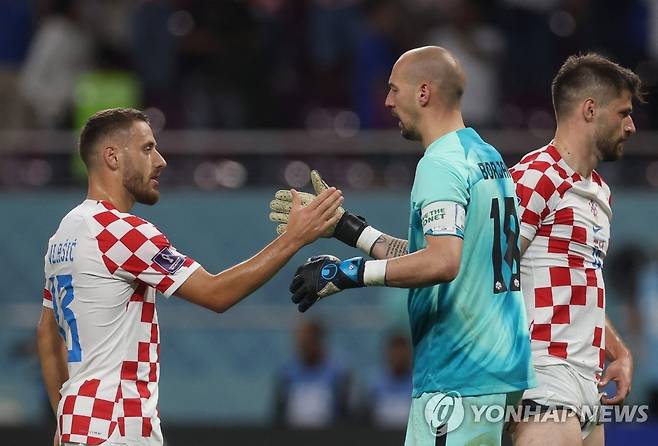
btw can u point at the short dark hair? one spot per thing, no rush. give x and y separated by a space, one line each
592 74
103 123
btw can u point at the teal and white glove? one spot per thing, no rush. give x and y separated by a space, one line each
324 275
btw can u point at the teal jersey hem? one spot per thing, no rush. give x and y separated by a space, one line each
483 390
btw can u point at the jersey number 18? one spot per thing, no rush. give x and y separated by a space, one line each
512 255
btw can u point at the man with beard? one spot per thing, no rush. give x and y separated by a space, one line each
565 228
103 267
460 263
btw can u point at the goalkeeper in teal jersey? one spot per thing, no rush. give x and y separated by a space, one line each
460 263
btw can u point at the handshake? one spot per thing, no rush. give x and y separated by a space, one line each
324 275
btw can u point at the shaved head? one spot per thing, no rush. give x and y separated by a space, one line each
435 65
425 88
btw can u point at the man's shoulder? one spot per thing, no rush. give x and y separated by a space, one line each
543 160
105 214
73 219
541 166
110 223
452 161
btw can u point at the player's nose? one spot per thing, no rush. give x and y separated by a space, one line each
388 103
629 126
160 162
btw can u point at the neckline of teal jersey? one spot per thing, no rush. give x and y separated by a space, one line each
434 146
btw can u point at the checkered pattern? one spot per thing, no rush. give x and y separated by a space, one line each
119 262
567 219
128 245
139 375
47 298
84 417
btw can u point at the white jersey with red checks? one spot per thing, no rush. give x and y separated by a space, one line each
102 270
567 219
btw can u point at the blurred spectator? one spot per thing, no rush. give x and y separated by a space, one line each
60 52
529 63
221 67
282 54
390 392
332 28
154 52
312 391
479 46
376 53
112 21
15 32
630 46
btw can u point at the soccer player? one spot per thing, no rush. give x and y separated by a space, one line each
565 229
461 261
103 268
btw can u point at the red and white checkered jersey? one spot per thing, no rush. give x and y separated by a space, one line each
567 219
102 270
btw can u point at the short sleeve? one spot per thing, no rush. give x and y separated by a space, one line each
536 193
135 250
439 180
47 297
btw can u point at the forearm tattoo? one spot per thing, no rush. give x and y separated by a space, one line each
395 247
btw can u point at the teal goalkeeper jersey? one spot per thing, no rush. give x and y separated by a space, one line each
470 335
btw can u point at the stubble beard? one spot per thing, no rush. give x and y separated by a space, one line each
610 147
139 188
409 132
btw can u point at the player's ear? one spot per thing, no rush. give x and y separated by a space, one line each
424 93
110 157
588 109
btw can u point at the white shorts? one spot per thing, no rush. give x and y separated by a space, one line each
559 386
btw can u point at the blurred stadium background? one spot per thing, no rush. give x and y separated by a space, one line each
247 96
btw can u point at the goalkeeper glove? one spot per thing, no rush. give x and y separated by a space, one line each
350 229
322 276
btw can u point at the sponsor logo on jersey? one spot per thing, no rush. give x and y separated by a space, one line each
433 215
169 260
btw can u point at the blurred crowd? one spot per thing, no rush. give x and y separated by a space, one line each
300 63
315 390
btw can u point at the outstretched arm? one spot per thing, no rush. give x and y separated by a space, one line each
322 276
437 263
221 291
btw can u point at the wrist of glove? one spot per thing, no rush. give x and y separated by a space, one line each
322 276
349 228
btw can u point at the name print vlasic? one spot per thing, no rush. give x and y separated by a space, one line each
62 252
